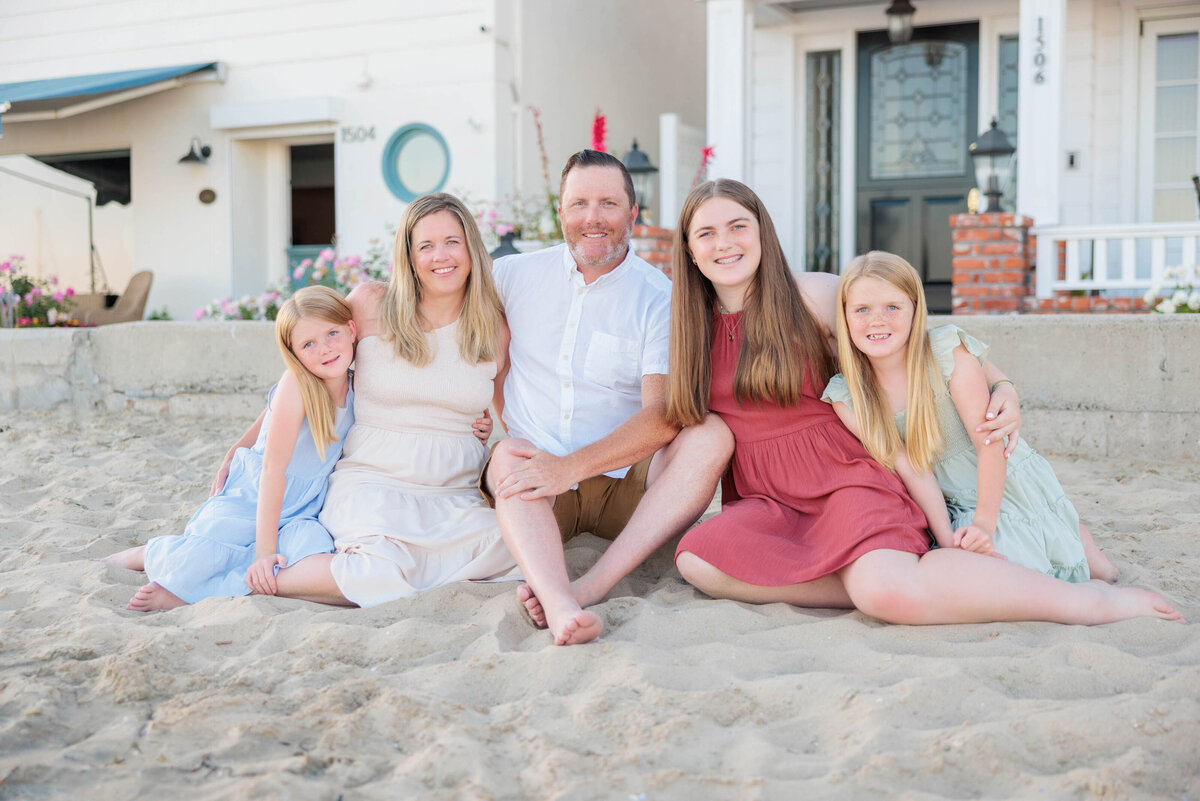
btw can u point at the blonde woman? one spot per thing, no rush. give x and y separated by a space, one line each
403 505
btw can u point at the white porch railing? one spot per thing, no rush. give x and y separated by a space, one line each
1113 257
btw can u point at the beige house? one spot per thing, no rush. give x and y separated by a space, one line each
310 121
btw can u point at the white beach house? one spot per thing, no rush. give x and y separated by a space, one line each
302 121
856 141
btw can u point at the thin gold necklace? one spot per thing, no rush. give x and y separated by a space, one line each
730 327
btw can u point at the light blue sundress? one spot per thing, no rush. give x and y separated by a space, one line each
1037 526
217 547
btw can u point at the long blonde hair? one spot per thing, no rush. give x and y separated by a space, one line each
782 343
399 313
312 303
922 434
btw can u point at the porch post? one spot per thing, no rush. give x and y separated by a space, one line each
1039 109
993 263
729 23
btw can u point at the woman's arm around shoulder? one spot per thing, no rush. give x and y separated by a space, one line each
364 301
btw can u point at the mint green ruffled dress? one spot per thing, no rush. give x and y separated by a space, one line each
1037 526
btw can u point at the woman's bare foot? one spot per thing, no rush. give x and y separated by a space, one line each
1122 603
1098 565
533 607
129 559
583 627
154 596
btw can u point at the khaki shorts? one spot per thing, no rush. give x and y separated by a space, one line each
601 504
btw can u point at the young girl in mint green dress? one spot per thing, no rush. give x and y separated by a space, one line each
914 399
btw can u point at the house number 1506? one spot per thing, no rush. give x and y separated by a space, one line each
358 133
1039 56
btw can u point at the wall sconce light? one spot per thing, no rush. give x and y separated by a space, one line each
900 21
197 154
641 170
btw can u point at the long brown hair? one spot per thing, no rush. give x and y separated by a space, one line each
312 303
399 313
922 434
781 340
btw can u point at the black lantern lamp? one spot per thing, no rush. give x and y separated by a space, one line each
900 21
642 172
197 154
993 155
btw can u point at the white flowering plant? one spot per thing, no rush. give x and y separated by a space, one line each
1184 297
526 218
247 307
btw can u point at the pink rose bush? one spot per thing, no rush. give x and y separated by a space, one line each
27 301
340 274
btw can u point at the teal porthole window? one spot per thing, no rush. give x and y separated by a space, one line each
416 161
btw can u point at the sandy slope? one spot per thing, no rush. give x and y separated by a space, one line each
452 695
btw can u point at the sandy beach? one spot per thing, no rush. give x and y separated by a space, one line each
452 695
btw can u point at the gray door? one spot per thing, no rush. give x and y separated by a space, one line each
917 112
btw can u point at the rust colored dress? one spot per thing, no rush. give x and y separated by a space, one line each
802 498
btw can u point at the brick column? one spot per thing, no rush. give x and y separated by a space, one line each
654 245
994 263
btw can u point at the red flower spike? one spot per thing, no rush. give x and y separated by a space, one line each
599 132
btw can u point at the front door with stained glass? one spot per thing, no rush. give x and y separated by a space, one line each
917 110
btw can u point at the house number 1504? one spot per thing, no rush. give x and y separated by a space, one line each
358 133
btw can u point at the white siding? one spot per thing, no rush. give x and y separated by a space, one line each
772 134
1079 121
1104 162
630 59
39 40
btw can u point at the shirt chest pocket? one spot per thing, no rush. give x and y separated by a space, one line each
612 361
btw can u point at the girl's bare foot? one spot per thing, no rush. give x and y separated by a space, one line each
1122 603
129 559
1102 569
533 607
154 596
1098 565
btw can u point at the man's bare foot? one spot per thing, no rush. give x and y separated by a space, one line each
1122 603
583 627
129 559
154 596
532 606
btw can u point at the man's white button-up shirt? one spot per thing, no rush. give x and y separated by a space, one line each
579 351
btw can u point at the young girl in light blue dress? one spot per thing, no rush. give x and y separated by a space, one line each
263 515
914 398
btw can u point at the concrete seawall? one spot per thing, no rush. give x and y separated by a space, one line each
184 369
1123 386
